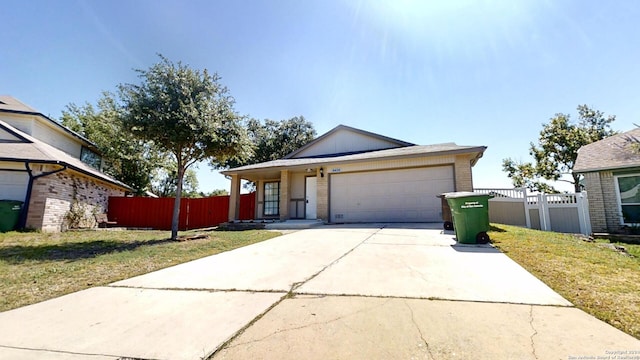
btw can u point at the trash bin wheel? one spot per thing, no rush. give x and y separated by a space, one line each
448 225
482 238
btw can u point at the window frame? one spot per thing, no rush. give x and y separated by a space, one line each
265 202
619 198
92 154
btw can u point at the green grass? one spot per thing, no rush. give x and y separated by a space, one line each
596 279
40 266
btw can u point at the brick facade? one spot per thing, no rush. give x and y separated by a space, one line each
52 197
603 202
462 172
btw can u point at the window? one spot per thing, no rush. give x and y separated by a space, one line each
90 158
272 198
629 197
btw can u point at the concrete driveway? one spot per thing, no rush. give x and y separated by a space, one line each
335 292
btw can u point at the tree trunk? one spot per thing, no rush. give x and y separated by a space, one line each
176 204
576 182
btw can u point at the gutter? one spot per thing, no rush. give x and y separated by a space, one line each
25 208
329 161
71 167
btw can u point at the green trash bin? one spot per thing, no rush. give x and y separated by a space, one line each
9 214
470 216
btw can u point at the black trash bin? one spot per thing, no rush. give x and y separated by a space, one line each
447 218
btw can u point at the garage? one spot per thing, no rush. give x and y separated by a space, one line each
403 195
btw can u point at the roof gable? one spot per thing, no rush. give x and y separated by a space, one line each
30 149
9 104
9 135
615 152
346 140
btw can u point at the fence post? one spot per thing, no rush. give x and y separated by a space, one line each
582 202
543 210
527 215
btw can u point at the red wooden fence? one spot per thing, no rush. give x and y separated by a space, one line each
156 213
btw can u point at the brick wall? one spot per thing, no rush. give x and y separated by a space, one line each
611 209
596 202
52 197
603 202
464 180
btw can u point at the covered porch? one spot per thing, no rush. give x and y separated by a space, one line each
282 194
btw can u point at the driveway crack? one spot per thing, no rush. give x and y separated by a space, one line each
280 331
413 320
535 332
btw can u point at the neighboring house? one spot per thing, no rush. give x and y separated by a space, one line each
611 169
351 175
49 168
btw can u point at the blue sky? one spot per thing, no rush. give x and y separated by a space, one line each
472 72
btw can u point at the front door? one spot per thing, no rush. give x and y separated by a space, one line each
311 196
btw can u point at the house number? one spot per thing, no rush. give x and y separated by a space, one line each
335 170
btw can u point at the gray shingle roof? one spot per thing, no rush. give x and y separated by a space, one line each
36 151
10 104
407 151
614 152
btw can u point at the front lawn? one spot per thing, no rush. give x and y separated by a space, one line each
598 280
40 266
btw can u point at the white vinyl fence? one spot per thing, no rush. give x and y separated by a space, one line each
567 213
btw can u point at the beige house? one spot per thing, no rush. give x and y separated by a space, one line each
50 168
611 169
351 175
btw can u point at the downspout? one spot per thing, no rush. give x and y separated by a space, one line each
25 208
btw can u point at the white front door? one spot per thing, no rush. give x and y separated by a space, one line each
310 207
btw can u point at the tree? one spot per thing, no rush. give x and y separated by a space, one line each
273 140
165 182
216 192
188 114
125 157
557 149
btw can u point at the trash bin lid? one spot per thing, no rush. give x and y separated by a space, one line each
461 194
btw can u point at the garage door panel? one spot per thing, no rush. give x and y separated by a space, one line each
406 195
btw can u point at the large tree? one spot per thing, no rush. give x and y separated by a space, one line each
273 140
188 114
125 157
165 182
557 150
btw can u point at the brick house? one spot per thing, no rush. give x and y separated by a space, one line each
611 169
53 170
352 175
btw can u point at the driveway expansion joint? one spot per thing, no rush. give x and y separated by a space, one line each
299 284
64 352
288 295
210 290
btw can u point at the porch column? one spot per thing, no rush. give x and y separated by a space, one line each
322 194
234 198
284 195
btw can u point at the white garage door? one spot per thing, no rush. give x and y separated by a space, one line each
13 185
407 195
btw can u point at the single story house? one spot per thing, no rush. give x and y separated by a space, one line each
352 175
50 168
611 169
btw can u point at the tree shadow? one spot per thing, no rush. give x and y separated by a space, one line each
496 229
18 254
